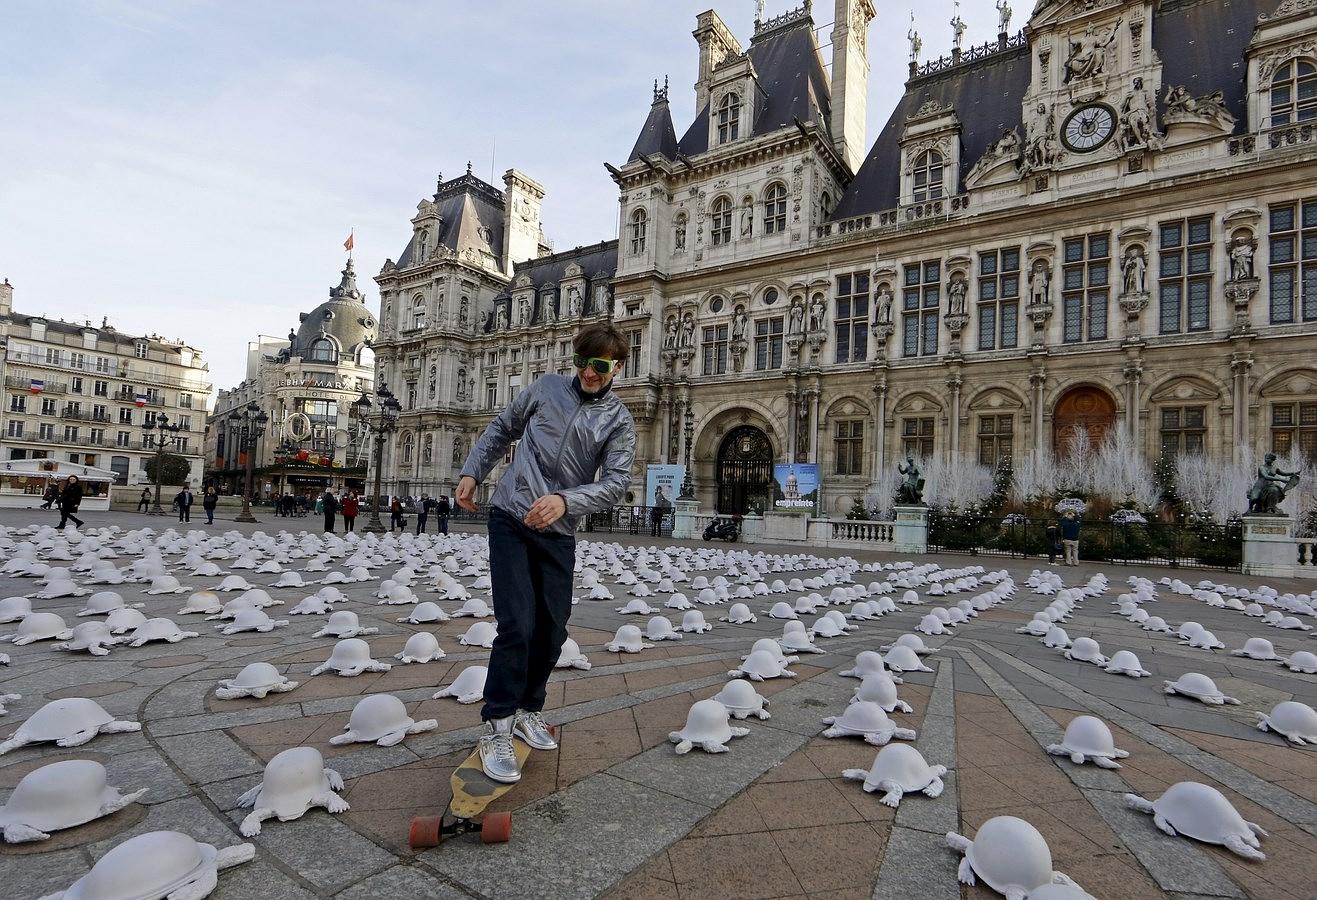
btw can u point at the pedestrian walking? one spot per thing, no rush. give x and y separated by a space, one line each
328 504
442 510
395 514
183 500
1052 536
584 429
1070 537
209 501
144 501
70 498
51 496
423 512
351 505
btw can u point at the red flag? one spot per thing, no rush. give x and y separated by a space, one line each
349 243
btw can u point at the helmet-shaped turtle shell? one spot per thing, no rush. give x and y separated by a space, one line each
1010 855
902 764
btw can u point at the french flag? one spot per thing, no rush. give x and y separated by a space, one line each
37 385
141 400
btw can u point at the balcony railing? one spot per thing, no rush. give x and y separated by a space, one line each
83 415
51 387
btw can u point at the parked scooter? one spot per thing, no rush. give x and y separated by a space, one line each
723 530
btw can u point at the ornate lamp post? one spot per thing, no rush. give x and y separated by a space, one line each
387 420
164 435
249 422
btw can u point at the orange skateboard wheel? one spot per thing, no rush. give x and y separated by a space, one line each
425 832
496 828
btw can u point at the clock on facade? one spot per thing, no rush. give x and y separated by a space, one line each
1088 128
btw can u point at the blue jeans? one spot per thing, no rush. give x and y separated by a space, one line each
531 575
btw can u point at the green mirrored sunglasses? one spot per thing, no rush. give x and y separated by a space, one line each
602 366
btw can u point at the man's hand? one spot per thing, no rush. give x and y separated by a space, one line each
466 493
545 511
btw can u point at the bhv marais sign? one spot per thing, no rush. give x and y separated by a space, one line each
318 380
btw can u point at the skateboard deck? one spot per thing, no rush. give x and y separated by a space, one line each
473 791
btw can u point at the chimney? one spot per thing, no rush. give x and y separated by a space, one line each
850 78
6 298
716 43
521 219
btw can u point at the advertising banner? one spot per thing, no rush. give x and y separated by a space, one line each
663 484
796 486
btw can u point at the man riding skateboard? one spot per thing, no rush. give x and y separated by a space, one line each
569 429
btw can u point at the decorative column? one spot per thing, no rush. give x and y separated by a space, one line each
1133 401
793 398
954 382
1037 381
1241 363
813 395
880 430
663 426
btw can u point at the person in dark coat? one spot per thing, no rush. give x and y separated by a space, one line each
423 508
1070 537
208 502
144 501
183 500
70 498
442 510
395 514
329 505
51 495
1053 539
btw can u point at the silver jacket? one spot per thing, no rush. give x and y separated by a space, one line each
565 439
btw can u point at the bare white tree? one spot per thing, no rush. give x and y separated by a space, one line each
1214 489
882 495
959 484
1301 502
1120 473
1074 469
1031 477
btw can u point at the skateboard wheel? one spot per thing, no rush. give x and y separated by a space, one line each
425 832
496 828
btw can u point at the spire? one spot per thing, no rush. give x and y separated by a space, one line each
657 135
348 286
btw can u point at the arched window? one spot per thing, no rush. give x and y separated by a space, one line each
408 447
418 312
825 202
639 221
721 230
729 118
928 176
322 350
1294 93
775 209
422 242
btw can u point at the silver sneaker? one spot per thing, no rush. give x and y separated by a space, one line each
531 728
497 755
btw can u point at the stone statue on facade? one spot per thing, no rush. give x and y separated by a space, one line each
1133 269
670 334
1269 490
458 457
547 312
916 43
817 314
797 323
956 295
501 318
1039 282
910 492
687 332
486 319
1088 52
1136 122
679 233
1241 259
739 322
523 310
882 306
464 311
1040 149
461 385
747 217
574 302
1003 16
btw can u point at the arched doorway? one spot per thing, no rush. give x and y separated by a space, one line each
745 471
1089 408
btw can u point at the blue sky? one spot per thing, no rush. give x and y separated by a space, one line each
191 167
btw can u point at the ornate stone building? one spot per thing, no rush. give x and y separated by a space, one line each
307 385
1108 220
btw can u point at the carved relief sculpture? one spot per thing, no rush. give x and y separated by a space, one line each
1088 52
547 312
747 217
1041 150
1136 119
464 311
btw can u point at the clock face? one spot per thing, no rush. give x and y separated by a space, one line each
1088 128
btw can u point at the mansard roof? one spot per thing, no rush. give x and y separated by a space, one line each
1201 44
470 218
791 73
595 261
657 135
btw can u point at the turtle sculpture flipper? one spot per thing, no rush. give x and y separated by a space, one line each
935 786
892 795
331 802
1246 845
198 889
251 824
683 746
961 844
11 698
20 834
118 803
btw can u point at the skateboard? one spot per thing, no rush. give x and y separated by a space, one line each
473 791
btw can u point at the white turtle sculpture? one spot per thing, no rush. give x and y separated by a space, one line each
867 662
1125 662
1088 739
255 680
761 664
627 640
252 620
902 659
1256 648
94 637
204 602
867 720
158 630
468 687
166 584
70 722
742 700
1296 721
912 641
234 583
880 688
421 647
1056 638
1203 640
1201 812
693 621
426 611
1009 855
381 719
180 868
1199 687
39 626
1087 650
124 620
480 634
897 770
350 658
344 624
314 605
659 628
103 603
294 782
7 698
59 796
571 657
1302 661
708 726
12 609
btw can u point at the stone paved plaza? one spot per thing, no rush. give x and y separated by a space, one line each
616 812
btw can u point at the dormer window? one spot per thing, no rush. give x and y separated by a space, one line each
729 118
929 167
322 350
639 222
422 239
721 231
139 349
418 312
775 209
1294 93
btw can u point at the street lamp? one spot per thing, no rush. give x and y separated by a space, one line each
390 409
249 422
166 435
